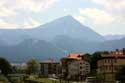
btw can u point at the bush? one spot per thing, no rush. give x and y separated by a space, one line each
3 78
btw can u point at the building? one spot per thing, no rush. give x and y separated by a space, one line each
74 67
50 68
108 65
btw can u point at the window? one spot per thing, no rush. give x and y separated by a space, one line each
106 67
109 60
105 60
87 64
80 67
115 60
80 72
81 63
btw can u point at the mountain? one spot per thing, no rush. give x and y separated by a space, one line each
71 45
55 39
66 25
14 36
29 48
111 44
114 37
61 47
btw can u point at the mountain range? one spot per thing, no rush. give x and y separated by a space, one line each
54 40
114 37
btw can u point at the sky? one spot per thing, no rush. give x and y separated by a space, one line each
103 16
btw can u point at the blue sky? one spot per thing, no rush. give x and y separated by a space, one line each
103 16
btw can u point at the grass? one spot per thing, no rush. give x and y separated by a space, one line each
3 79
47 80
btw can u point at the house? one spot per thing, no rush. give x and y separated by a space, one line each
50 68
109 64
74 67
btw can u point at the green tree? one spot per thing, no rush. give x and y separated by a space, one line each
99 77
88 57
93 61
33 67
3 79
5 66
120 75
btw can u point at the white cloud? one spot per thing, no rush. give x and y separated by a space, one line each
98 17
114 6
65 9
28 5
7 25
10 9
80 19
34 5
30 23
5 12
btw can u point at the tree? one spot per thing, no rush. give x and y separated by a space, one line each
93 61
120 75
3 79
95 57
88 57
33 67
99 77
5 66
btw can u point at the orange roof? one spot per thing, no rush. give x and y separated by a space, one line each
75 56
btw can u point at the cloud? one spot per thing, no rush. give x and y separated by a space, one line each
5 12
112 11
80 19
114 6
97 16
34 5
108 16
16 9
7 25
28 5
30 23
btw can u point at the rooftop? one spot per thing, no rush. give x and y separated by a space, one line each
75 56
49 61
116 54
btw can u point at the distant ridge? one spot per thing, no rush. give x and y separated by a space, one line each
114 37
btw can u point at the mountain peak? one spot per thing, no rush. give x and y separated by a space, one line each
68 26
67 18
